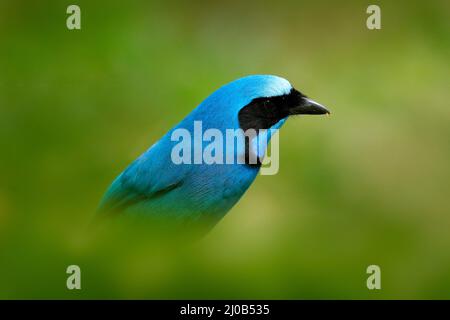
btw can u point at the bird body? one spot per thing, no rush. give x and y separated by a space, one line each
157 187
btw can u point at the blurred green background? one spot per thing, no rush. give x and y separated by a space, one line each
368 185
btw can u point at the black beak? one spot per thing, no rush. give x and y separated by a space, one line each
308 106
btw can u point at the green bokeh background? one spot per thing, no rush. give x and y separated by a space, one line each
368 185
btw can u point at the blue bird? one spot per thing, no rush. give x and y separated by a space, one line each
157 187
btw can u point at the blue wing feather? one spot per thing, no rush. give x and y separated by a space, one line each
151 175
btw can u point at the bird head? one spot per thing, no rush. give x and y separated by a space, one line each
277 101
262 102
273 101
257 102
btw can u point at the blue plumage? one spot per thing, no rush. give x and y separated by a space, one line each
153 185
